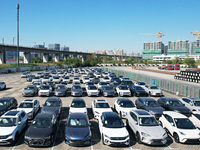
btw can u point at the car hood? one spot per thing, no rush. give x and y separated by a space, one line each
50 109
44 90
7 130
38 132
77 133
101 110
114 132
76 91
153 131
3 109
127 109
93 91
141 91
60 90
156 110
27 110
109 91
124 91
26 91
155 90
180 108
72 109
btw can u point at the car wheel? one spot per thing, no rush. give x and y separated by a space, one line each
52 139
149 93
127 124
103 142
115 108
176 138
120 94
120 114
138 138
16 137
160 123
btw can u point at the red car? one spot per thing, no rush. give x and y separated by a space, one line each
170 67
177 67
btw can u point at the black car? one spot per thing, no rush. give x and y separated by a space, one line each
7 103
30 78
174 104
138 91
95 80
116 79
107 90
77 130
150 105
42 130
90 75
52 104
114 85
129 83
52 84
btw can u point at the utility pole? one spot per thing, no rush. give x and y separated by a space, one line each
3 40
17 35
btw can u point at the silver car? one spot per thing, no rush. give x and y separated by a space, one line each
60 90
30 90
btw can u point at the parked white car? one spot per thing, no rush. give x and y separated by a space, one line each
195 118
66 79
192 103
36 79
92 90
2 85
56 79
76 79
179 126
78 106
97 74
142 84
45 90
11 125
30 106
88 84
153 90
45 79
98 106
100 84
112 129
85 79
123 106
123 90
146 128
106 79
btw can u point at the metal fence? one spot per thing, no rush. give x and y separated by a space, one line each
175 87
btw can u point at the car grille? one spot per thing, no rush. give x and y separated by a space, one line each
126 93
3 137
157 141
43 93
36 142
118 138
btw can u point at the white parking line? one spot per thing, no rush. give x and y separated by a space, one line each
91 146
55 136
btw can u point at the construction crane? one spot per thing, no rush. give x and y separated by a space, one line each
159 34
197 34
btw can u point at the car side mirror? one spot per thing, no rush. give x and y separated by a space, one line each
19 122
136 122
172 124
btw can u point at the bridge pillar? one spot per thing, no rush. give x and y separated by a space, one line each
27 57
2 57
45 57
75 56
66 56
57 57
83 58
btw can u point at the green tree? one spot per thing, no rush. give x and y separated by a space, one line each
175 61
190 62
169 61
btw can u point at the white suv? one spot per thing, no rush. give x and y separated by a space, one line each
179 126
192 103
146 128
11 125
112 129
77 106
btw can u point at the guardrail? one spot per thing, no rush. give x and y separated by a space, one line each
178 88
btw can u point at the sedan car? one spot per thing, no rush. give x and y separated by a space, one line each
67 79
7 103
138 91
77 130
123 106
30 106
60 90
153 90
46 79
114 85
30 90
106 79
150 105
129 83
38 84
2 85
42 130
85 79
174 104
123 90
92 90
52 105
30 78
107 90
116 79
36 79
24 75
52 84
180 127
56 79
192 103
100 84
45 90
88 84
95 80
76 90
99 106
142 84
112 129
78 105
146 128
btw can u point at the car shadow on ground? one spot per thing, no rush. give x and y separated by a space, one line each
8 88
96 137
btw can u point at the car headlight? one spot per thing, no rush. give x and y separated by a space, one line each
6 136
67 136
123 112
96 112
165 134
106 136
48 137
182 133
145 134
87 137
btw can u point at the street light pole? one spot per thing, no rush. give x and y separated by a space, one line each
17 35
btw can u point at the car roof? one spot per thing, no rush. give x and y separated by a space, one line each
43 115
53 99
124 100
28 100
78 100
110 115
169 98
11 113
194 99
101 101
146 99
77 115
174 114
141 112
122 86
6 98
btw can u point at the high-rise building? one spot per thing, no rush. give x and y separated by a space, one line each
151 49
119 52
196 47
65 48
54 46
178 47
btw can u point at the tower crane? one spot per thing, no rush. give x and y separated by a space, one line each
159 34
197 34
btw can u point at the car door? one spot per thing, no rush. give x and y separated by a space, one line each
20 124
101 120
187 103
36 106
133 122
169 123
117 106
23 119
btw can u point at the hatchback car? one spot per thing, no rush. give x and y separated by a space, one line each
153 90
78 105
77 130
7 103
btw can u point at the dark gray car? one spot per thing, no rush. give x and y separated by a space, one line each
76 90
107 90
60 90
30 90
150 105
95 80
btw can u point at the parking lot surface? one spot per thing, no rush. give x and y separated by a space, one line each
15 85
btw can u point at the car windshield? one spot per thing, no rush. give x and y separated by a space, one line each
46 78
37 77
76 87
44 88
78 104
141 83
151 103
26 105
3 103
127 104
89 83
128 82
113 123
50 83
106 78
107 88
184 123
103 83
92 88
56 77
60 87
51 103
102 105
196 103
115 83
66 77
123 88
87 78
41 123
148 121
29 88
76 78
139 88
78 122
174 103
7 122
153 87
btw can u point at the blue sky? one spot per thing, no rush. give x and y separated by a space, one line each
89 25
